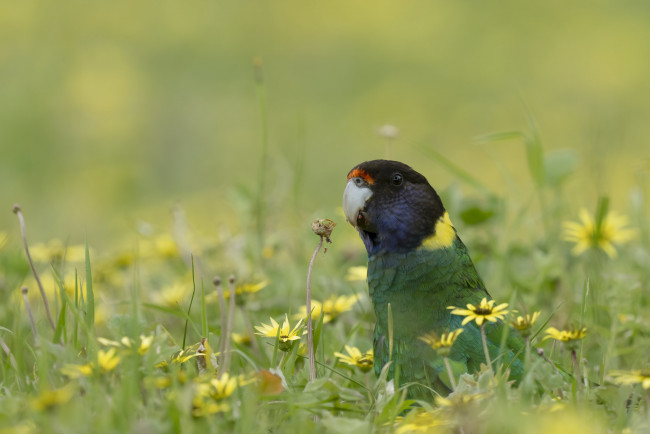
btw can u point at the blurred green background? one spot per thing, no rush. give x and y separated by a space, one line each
111 112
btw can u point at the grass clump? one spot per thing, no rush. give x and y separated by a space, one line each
142 343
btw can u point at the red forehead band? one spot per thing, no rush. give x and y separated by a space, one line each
359 173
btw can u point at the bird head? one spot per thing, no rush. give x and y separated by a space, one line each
394 208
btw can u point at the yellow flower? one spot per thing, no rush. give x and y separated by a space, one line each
443 343
240 290
123 259
188 353
77 371
332 308
145 344
285 334
57 250
163 382
241 339
158 247
523 324
51 285
3 238
109 343
220 388
586 235
174 295
107 360
51 398
359 273
210 397
565 335
203 407
316 309
485 311
632 377
165 246
423 421
362 361
182 356
125 342
248 288
460 399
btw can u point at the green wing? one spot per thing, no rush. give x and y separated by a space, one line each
419 286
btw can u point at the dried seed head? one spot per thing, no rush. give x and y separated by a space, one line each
388 131
323 228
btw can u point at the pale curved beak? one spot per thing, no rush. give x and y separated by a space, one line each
356 194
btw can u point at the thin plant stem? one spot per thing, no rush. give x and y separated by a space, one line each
224 322
24 291
450 373
576 367
231 318
540 352
7 351
250 329
283 360
390 333
485 349
21 220
310 330
189 309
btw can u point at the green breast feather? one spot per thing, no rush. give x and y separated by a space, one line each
419 286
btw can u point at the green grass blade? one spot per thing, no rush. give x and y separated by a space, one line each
189 308
59 331
90 295
204 312
75 328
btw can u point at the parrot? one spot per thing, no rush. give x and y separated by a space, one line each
417 268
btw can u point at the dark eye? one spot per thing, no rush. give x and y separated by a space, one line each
397 179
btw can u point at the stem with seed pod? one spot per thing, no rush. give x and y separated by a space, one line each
310 331
323 228
19 214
